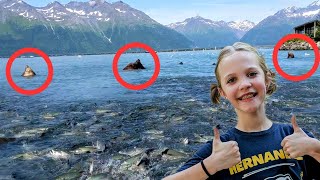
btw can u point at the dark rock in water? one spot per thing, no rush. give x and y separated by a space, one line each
134 66
171 152
181 63
290 55
28 72
213 63
145 158
4 140
148 151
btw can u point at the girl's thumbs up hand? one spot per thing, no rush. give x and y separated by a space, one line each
298 143
224 154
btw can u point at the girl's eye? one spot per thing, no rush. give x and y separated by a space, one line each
231 80
252 74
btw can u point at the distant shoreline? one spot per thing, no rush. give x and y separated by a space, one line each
106 53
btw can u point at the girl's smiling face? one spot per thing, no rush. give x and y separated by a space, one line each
243 81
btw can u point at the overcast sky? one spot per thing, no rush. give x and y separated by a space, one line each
170 11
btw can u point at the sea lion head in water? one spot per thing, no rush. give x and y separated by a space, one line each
290 55
134 66
28 72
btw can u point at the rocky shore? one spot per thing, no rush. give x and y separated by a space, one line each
297 45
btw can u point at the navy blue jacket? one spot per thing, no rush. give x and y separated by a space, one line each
262 156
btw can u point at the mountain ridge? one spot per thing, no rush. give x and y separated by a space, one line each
207 33
100 27
271 29
81 27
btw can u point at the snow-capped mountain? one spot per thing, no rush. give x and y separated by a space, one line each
82 27
270 30
241 27
198 20
76 12
293 11
208 33
315 3
21 8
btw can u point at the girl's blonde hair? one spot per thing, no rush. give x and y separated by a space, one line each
236 47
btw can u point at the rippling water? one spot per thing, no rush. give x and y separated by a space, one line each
85 106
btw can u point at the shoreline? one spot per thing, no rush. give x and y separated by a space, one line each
297 45
285 47
168 50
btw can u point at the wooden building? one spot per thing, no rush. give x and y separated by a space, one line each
309 28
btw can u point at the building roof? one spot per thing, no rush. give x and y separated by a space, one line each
307 23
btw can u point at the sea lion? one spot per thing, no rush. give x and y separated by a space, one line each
290 55
134 66
181 63
28 72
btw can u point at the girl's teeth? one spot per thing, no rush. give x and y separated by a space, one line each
247 96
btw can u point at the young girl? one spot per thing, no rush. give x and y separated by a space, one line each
256 148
